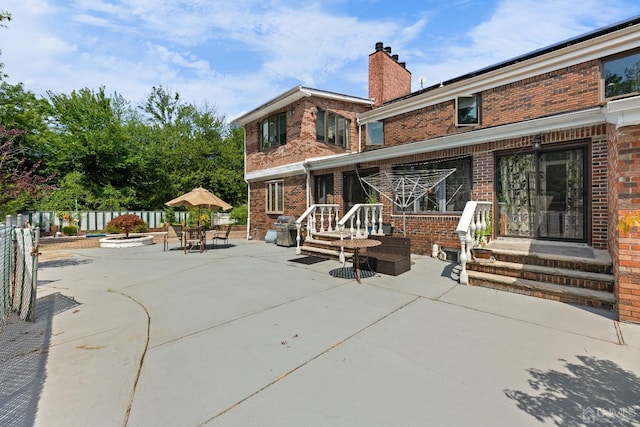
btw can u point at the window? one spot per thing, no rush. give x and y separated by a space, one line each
375 133
324 189
332 128
451 195
468 111
273 131
621 75
275 197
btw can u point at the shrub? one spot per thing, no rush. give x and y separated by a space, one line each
126 224
239 214
70 230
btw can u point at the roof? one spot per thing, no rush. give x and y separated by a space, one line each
539 52
292 96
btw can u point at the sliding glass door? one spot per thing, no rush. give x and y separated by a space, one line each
542 195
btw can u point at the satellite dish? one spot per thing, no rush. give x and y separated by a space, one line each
421 81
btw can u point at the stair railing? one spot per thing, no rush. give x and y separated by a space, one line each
317 219
362 220
473 223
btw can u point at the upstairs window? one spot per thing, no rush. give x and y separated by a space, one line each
375 133
273 131
332 128
621 75
468 110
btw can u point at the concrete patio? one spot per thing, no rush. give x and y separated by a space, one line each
244 336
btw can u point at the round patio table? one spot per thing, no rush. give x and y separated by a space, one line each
356 245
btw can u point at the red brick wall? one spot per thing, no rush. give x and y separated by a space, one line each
301 135
387 78
568 89
624 158
294 204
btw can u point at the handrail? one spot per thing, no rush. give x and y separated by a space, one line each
372 215
472 223
316 214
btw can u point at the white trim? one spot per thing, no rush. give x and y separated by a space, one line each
624 112
291 169
292 96
596 48
578 119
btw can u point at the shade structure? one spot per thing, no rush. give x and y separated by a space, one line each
199 197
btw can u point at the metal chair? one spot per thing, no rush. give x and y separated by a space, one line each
224 237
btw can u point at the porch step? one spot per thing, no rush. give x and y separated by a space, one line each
577 278
567 294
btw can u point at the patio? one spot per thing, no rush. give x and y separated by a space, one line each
246 336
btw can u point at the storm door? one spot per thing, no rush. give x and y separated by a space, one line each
542 195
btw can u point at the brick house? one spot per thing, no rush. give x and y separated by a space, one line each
550 138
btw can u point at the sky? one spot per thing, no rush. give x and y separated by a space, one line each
235 55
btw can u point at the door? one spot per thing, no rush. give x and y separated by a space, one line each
542 195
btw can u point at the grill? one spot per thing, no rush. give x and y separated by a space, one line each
286 230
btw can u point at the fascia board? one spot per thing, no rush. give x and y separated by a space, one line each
292 169
514 130
289 98
624 112
610 44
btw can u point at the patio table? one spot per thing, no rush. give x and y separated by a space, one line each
356 245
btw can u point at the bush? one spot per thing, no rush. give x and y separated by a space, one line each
126 224
239 214
70 230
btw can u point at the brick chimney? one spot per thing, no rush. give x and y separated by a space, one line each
388 78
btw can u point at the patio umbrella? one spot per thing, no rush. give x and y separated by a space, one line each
199 197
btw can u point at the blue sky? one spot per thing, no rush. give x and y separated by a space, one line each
236 55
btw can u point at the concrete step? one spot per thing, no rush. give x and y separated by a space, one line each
567 294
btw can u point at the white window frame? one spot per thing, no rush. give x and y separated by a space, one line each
464 100
375 133
274 197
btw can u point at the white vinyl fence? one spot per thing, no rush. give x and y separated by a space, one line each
93 220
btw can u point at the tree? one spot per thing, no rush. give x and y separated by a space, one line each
19 184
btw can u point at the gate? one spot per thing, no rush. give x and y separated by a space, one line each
19 271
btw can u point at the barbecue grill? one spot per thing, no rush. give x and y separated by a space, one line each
286 230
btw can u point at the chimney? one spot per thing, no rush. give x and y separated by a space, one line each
388 78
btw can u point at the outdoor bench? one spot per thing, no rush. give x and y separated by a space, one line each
392 257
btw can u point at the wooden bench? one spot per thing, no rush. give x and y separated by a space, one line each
392 257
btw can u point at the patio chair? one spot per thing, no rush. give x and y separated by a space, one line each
193 237
224 237
173 232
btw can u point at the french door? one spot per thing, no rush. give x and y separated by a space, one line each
542 195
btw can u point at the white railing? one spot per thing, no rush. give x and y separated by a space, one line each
473 223
362 219
317 219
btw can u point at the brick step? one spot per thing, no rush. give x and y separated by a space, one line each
559 276
567 294
594 265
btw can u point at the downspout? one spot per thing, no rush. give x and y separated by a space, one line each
359 134
305 164
248 185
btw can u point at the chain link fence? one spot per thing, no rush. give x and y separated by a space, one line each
19 271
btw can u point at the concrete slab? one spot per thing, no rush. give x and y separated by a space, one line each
243 336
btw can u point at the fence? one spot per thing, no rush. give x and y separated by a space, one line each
19 270
93 220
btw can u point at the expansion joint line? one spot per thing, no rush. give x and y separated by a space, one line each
141 363
286 374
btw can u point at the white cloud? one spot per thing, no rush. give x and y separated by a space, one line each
240 54
514 29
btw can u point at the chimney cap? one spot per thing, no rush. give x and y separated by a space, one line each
388 49
379 46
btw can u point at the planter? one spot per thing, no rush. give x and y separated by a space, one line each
121 242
